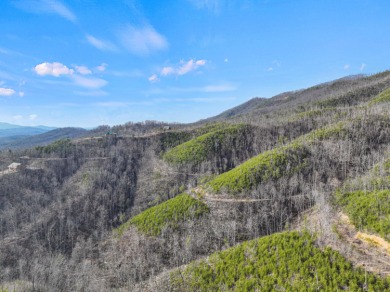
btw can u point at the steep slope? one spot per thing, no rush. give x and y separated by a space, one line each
286 261
108 212
338 93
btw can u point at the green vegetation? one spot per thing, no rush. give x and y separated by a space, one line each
313 113
271 164
336 113
384 96
367 200
168 214
378 178
280 262
172 139
199 149
334 130
368 210
211 127
274 163
61 147
331 102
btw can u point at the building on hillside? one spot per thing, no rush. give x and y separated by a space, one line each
14 166
166 128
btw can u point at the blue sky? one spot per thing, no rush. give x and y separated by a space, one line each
85 63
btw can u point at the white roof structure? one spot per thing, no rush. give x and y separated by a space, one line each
14 165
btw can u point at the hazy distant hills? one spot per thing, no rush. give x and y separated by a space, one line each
7 126
14 136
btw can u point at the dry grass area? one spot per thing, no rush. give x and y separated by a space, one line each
334 229
374 240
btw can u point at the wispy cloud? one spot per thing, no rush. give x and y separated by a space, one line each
275 65
142 41
212 5
89 82
213 88
362 67
6 91
102 45
183 68
54 69
194 99
154 78
97 92
130 73
8 76
4 51
32 117
10 52
83 70
46 6
346 66
17 117
208 88
102 67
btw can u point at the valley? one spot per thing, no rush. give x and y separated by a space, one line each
289 193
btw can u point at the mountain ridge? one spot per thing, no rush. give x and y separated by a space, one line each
151 206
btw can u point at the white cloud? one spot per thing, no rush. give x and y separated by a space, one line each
183 68
167 70
362 67
6 91
17 117
21 93
102 67
226 60
142 40
346 66
83 70
89 82
32 117
154 78
60 9
100 44
46 6
55 69
270 69
191 65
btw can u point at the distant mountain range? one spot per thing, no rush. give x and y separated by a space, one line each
15 136
7 126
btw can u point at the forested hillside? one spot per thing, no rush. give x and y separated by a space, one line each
289 193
